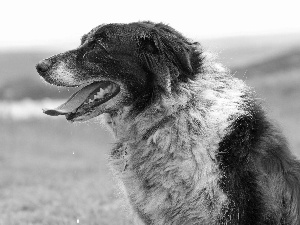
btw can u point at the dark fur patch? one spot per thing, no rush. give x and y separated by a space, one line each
239 178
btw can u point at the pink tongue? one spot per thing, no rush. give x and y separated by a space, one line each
75 100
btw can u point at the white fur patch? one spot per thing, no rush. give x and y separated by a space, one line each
225 105
63 74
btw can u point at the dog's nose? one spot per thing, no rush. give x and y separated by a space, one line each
43 66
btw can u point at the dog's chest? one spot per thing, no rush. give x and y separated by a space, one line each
163 171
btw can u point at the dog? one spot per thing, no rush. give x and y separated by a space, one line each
193 143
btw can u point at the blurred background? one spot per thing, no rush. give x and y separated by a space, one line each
55 172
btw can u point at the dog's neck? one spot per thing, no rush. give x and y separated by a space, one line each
125 128
218 107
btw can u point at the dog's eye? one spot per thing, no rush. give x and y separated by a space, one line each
101 37
148 44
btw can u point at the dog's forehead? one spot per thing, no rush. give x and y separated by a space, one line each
122 29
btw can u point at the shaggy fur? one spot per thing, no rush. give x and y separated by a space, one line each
193 145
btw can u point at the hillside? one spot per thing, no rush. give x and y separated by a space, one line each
289 60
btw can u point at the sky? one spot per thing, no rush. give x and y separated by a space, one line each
61 23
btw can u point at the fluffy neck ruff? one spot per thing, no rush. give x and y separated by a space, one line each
214 99
166 156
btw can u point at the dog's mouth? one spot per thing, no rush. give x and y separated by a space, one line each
86 100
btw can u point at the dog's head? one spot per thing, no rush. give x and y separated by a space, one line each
121 65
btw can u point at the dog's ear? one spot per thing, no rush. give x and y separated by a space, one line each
150 49
184 55
180 54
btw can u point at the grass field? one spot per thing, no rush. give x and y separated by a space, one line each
53 172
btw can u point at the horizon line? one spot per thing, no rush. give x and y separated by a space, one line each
61 44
